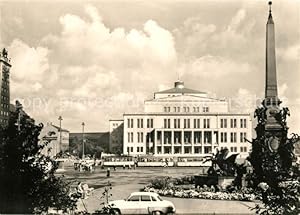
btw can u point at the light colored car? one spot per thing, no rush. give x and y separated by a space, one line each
142 203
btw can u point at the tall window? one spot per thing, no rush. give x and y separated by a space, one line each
223 137
233 137
223 123
243 123
196 123
243 135
206 123
167 123
130 137
140 137
130 123
186 123
149 123
233 123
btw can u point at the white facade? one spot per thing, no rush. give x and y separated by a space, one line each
52 134
184 122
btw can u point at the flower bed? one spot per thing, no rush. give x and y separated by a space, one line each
240 196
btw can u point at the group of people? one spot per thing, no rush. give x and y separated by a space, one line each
85 165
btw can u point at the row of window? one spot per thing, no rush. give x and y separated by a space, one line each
140 123
4 121
4 113
186 109
187 123
4 106
187 150
4 98
138 149
233 123
207 137
233 137
4 90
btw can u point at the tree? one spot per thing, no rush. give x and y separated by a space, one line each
27 180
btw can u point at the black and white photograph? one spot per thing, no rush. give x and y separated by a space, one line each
159 107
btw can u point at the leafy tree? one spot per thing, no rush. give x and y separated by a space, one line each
27 180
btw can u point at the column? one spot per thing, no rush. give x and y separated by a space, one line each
172 142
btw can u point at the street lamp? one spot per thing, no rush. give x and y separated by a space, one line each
60 119
82 139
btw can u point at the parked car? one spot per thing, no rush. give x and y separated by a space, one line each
142 203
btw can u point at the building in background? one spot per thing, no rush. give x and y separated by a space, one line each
58 140
18 108
116 136
95 143
4 88
184 122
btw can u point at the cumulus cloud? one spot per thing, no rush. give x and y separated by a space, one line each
91 68
88 70
30 64
292 53
214 66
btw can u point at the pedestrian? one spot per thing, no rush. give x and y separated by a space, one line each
108 172
114 168
80 190
124 166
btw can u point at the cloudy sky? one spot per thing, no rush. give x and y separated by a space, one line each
92 61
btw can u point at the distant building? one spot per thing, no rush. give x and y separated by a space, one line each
23 114
95 142
58 140
185 122
116 136
4 88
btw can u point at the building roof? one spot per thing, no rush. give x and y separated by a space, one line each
180 89
62 129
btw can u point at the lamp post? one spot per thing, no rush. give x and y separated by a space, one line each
82 139
60 119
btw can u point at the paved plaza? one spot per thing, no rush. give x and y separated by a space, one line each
126 181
